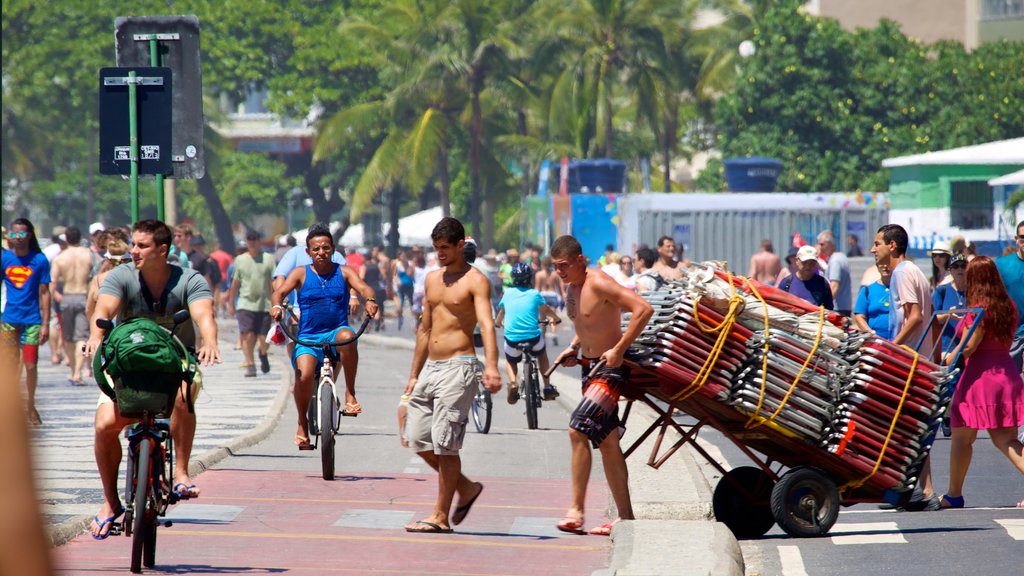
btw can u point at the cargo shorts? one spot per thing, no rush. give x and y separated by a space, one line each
440 403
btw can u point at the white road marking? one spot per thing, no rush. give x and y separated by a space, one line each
876 533
1014 527
792 562
411 470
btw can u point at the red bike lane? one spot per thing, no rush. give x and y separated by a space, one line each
263 522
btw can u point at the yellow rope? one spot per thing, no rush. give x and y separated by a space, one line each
854 484
723 329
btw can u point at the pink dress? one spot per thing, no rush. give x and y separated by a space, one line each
990 393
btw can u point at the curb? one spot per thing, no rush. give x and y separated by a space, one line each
62 533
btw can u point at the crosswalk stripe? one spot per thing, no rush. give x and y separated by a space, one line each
792 562
1014 527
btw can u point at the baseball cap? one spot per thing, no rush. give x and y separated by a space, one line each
253 235
957 259
807 252
96 227
198 240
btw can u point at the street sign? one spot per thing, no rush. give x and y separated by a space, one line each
153 96
177 44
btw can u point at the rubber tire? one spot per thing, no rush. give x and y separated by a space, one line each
312 427
140 531
482 405
328 415
796 491
747 515
149 549
530 395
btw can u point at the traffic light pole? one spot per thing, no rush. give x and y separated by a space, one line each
133 142
155 60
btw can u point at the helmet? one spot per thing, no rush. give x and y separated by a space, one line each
522 275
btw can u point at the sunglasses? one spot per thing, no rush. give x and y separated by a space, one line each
17 235
1020 236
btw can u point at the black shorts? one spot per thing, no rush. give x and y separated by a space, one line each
250 322
597 414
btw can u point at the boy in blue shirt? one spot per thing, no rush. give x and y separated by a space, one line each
523 304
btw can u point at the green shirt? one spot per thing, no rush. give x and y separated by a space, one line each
253 282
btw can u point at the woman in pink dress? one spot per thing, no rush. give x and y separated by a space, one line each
990 395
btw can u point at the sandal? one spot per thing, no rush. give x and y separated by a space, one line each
303 442
948 501
602 530
352 409
571 525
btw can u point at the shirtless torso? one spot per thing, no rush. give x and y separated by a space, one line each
452 308
595 316
71 268
765 267
668 270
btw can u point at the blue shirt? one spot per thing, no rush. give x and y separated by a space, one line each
945 297
1011 268
816 290
522 313
324 302
296 256
873 304
22 277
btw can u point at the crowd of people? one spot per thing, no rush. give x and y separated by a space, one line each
154 270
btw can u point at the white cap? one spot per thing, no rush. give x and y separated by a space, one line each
96 227
806 253
941 247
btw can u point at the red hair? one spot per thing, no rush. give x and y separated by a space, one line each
985 290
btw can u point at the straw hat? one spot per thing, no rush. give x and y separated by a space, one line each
941 247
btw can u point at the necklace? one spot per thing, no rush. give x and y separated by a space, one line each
323 282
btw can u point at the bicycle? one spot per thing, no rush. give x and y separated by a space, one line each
529 379
482 405
325 402
150 448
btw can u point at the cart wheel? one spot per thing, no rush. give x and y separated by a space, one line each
742 501
805 503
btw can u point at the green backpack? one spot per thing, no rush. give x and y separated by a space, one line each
146 365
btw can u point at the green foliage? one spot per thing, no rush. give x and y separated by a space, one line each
833 104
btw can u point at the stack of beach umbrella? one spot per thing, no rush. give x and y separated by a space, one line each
776 361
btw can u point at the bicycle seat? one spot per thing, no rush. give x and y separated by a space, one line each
526 347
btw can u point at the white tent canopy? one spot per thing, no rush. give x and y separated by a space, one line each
999 152
413 230
1011 179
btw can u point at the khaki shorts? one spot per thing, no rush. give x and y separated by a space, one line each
197 385
440 404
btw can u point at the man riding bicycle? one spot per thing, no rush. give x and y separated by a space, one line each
323 296
523 304
153 288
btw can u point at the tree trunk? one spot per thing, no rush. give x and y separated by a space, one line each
527 171
489 208
475 131
446 183
221 222
393 201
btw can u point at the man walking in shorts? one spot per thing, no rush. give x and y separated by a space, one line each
443 380
72 270
250 283
595 302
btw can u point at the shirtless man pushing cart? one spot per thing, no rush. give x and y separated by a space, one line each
595 302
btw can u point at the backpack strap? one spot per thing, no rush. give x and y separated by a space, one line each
786 283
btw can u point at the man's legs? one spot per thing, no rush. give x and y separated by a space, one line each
617 474
183 431
30 357
450 481
107 449
248 340
349 364
305 369
582 459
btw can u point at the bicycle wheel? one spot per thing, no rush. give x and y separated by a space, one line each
140 529
328 417
530 395
482 411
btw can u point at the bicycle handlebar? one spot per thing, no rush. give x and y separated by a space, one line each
284 328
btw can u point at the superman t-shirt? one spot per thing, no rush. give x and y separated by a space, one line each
22 277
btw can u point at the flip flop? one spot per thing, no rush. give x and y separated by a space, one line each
462 511
948 501
100 525
352 409
185 491
602 530
428 528
303 443
571 525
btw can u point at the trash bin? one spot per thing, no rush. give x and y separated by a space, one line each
602 175
752 174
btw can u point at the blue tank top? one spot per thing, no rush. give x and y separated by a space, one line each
323 301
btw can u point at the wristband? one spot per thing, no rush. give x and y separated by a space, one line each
371 299
278 306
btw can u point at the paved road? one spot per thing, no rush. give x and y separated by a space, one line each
266 509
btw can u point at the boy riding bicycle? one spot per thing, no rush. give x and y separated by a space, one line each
323 296
523 304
